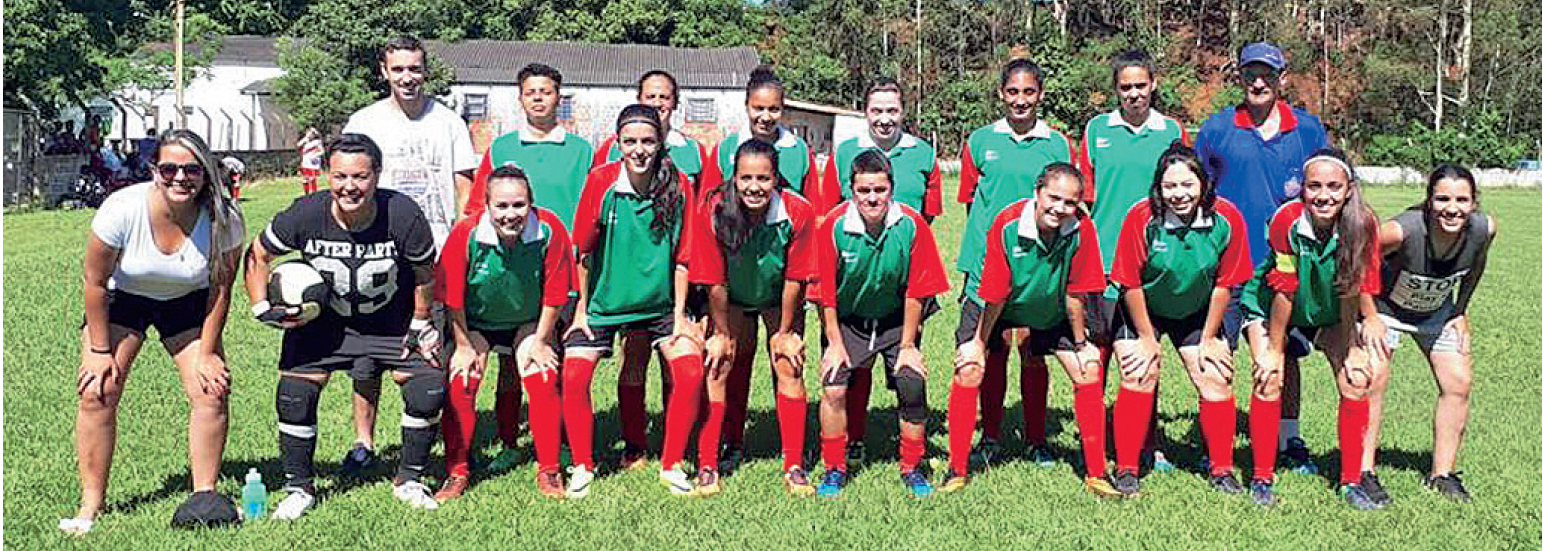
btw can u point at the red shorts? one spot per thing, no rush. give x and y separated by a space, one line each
310 172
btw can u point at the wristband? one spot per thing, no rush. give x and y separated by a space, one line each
95 350
260 308
419 324
1077 345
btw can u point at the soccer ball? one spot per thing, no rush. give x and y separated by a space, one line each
296 291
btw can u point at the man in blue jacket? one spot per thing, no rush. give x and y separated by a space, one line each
1254 152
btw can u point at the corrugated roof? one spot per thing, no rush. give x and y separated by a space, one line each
497 61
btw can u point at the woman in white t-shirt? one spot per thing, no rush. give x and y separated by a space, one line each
132 282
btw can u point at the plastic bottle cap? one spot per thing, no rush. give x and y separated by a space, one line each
253 476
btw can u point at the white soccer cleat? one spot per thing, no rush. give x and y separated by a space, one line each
415 495
677 481
294 505
579 479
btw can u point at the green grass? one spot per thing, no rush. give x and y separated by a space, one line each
1013 506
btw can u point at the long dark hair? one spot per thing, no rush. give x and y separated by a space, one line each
663 184
215 196
1178 153
731 222
1356 226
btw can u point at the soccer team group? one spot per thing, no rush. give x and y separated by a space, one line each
549 251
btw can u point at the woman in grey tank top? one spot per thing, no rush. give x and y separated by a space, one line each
1433 257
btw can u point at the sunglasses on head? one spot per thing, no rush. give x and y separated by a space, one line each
1251 73
169 170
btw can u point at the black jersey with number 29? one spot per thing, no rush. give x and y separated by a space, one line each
370 270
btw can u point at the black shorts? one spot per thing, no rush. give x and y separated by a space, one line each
1181 332
500 341
1299 340
868 339
170 317
326 349
1100 314
1041 341
655 329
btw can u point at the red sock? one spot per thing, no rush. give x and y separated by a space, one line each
858 389
833 449
1352 438
506 409
1218 422
993 394
707 438
634 414
961 425
911 451
459 424
1132 416
1088 402
686 372
1263 430
1034 385
578 412
546 419
738 401
792 412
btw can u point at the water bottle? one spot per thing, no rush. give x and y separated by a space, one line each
254 495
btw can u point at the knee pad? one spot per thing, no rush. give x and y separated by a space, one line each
296 404
911 393
422 398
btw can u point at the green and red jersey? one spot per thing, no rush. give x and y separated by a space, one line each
1176 264
997 168
1303 265
1117 160
631 267
503 286
779 249
795 162
871 276
689 156
556 165
914 163
1032 277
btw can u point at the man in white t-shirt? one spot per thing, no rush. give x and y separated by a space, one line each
427 156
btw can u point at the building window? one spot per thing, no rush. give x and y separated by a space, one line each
565 108
475 107
701 110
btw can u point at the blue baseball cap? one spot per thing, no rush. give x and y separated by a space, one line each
1262 52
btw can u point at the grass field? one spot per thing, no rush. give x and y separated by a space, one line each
1012 506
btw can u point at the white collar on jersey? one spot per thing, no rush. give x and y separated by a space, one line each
778 209
865 141
1040 130
486 234
1155 122
785 139
852 221
1028 228
675 139
1304 225
557 135
1172 221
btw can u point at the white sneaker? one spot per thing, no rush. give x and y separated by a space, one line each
579 478
677 481
75 525
415 494
295 504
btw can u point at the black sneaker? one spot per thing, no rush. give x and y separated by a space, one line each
986 453
1297 458
358 461
1374 489
206 509
1127 483
1262 493
1449 486
1356 497
729 458
857 453
1225 483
